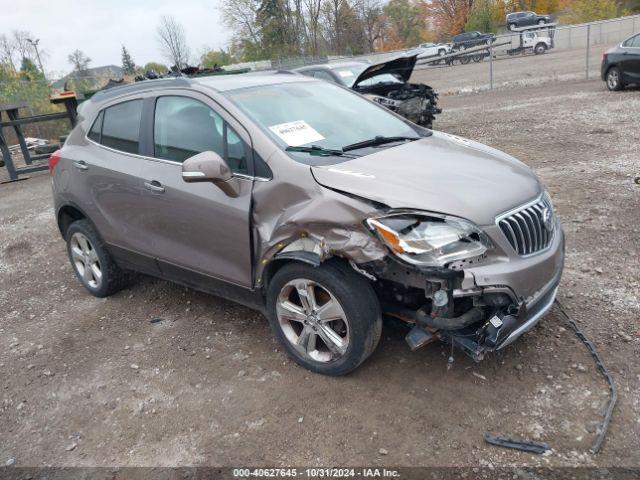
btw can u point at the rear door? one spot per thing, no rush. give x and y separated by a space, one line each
195 228
530 18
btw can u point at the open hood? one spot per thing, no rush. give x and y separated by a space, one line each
401 67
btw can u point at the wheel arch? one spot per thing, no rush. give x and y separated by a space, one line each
67 214
300 256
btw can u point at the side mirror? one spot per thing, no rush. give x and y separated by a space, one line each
210 167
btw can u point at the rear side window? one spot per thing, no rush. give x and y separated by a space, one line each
632 42
323 75
121 126
96 129
184 127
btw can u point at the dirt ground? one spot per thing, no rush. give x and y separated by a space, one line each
94 382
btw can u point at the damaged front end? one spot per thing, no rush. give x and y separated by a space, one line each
415 101
432 282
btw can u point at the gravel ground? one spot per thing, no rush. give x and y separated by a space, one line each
516 71
161 375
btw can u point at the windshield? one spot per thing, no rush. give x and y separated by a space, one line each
318 113
348 76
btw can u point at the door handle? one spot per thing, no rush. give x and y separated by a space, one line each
80 165
154 186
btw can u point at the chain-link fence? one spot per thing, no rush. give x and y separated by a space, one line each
571 52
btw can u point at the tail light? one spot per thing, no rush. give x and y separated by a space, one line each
53 160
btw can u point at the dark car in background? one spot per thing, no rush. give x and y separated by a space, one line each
386 83
526 19
621 64
465 40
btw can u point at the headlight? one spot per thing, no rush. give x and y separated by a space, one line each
430 240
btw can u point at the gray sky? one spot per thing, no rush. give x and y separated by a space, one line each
100 28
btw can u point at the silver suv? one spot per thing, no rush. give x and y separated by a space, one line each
312 204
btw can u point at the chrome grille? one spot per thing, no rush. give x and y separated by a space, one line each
530 229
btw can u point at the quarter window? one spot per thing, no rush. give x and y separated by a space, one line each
121 126
184 127
96 129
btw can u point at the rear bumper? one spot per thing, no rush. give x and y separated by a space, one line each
603 70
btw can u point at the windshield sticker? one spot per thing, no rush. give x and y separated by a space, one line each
345 73
296 133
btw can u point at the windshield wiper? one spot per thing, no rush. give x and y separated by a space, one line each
318 150
377 140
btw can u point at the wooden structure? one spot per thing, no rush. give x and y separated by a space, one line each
15 121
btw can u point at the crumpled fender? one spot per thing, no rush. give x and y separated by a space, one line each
285 212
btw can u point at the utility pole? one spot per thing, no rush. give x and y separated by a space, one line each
34 44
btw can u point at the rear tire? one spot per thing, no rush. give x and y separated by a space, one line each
91 262
512 26
614 79
541 22
333 296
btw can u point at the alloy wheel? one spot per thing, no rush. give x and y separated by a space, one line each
613 78
313 320
85 260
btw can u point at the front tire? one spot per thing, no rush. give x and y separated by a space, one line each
614 80
540 49
327 318
91 262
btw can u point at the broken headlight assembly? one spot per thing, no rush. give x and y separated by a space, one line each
430 240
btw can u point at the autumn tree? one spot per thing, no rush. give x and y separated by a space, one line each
581 11
406 21
449 16
485 16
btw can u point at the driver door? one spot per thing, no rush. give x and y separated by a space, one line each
195 229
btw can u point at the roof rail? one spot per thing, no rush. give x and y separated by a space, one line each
143 85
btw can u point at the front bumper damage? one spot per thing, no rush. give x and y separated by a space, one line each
479 309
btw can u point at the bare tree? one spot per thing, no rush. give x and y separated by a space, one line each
22 45
240 17
373 21
173 42
313 10
7 51
79 61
